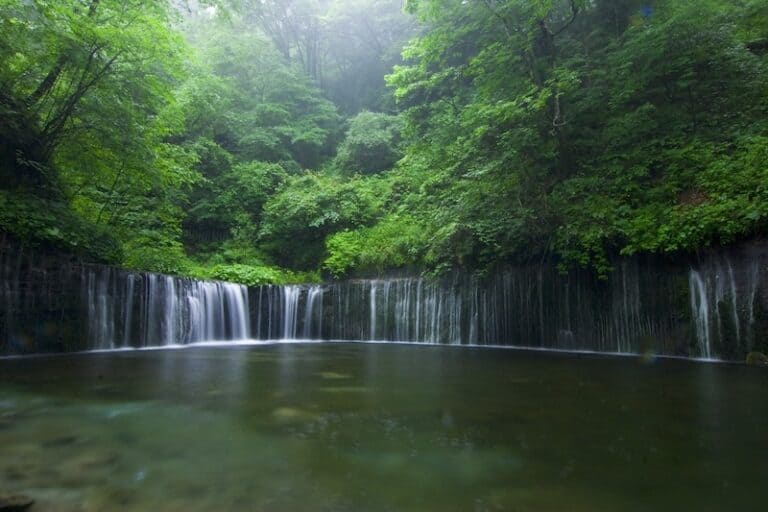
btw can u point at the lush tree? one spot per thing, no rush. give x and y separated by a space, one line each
255 121
364 40
394 242
371 144
313 206
568 130
582 129
269 112
75 69
84 87
345 46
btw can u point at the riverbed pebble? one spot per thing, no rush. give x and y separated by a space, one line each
15 502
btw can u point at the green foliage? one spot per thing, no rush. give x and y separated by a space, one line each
346 46
254 121
266 110
237 262
310 207
88 96
230 205
152 252
726 201
371 143
40 223
583 130
87 77
246 274
574 131
396 241
251 275
248 186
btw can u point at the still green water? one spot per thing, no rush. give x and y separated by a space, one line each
359 427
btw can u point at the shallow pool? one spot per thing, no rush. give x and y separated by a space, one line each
365 427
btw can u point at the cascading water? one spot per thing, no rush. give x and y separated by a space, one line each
372 306
313 307
700 311
636 311
633 312
170 310
714 307
726 303
290 305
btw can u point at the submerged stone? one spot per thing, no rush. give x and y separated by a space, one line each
15 502
59 441
344 389
334 376
757 359
110 498
14 473
291 414
92 461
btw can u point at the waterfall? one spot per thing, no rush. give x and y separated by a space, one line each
634 311
290 305
715 306
700 311
313 312
724 300
515 309
372 302
237 306
172 311
101 323
128 312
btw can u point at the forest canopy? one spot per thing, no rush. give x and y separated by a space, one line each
267 141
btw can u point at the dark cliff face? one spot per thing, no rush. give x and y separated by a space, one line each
40 302
713 305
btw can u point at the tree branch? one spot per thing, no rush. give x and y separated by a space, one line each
50 79
497 15
53 130
574 15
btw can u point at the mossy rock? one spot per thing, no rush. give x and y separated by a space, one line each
757 359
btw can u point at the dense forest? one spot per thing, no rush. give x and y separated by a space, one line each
286 140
